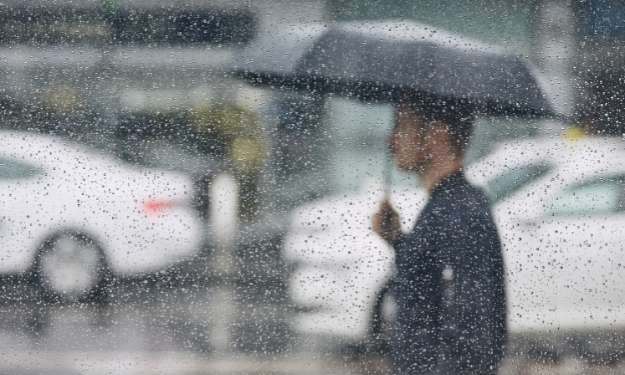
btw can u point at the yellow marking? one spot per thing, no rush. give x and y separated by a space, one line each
573 134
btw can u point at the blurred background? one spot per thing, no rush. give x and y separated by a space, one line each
156 212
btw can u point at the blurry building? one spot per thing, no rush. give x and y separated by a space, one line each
600 64
135 77
145 72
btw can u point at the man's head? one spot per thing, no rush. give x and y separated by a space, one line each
427 132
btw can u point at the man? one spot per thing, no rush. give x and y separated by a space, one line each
449 286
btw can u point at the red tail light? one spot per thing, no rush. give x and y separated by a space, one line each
157 206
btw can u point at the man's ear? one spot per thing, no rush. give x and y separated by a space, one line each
439 133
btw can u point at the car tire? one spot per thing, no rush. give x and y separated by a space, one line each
381 323
71 267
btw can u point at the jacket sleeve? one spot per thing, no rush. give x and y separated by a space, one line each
471 289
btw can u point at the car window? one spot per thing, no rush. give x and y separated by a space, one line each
511 181
13 169
600 196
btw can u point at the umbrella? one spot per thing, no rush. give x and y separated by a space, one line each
378 60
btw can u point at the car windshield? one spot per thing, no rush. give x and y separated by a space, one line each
11 169
514 179
600 196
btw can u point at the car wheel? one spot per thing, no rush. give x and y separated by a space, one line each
70 267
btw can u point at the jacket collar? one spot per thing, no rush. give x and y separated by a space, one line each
449 183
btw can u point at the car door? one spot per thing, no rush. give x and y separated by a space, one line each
20 219
587 223
568 266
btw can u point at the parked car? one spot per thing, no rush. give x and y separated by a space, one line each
559 206
73 218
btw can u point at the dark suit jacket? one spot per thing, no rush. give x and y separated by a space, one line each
449 287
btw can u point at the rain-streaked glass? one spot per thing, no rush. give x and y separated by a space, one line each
167 206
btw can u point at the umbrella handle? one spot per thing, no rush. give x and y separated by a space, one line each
388 173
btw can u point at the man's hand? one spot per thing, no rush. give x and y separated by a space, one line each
386 222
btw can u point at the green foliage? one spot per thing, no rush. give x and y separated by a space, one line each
108 6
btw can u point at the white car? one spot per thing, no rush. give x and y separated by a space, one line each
73 217
559 206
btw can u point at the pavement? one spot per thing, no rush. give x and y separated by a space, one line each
34 362
152 336
185 363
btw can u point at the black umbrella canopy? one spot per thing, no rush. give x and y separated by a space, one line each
379 60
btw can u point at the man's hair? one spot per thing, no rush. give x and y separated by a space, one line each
457 115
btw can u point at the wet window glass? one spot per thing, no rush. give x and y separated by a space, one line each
227 187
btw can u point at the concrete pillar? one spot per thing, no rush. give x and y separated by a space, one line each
555 50
224 193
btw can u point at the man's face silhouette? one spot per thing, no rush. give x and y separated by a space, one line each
409 139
